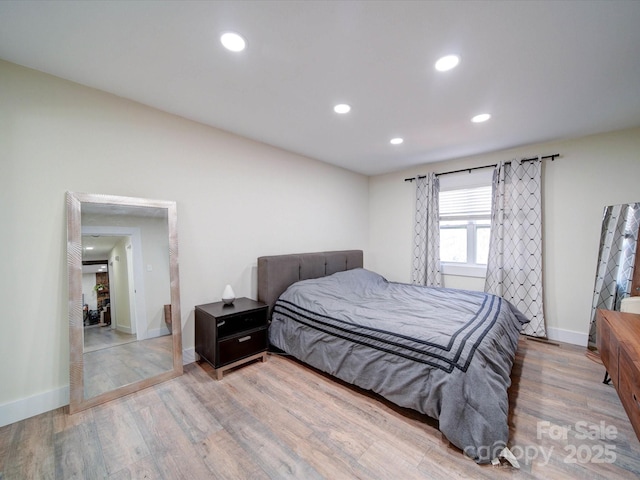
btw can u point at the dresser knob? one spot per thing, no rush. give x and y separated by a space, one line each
244 339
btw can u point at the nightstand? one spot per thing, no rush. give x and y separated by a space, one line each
231 335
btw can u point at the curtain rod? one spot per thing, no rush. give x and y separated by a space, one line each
533 159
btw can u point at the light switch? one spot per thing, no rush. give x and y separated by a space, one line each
149 268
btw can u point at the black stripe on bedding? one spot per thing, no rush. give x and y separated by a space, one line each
425 355
386 332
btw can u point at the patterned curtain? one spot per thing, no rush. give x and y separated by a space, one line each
616 259
426 246
514 269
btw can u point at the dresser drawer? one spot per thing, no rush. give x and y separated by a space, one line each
619 345
629 389
233 324
241 346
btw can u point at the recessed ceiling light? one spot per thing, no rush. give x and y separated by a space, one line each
342 108
447 63
88 248
483 117
233 41
396 141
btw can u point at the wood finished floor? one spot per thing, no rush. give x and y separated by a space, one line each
280 419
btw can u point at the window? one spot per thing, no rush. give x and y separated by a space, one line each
465 227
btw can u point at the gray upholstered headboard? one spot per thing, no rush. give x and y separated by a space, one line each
277 272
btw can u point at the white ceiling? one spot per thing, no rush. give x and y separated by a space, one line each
101 247
545 70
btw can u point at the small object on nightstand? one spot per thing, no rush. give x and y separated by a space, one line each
229 335
228 296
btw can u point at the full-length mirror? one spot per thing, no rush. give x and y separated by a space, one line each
618 271
124 298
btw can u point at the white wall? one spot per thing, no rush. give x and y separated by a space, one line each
237 199
591 173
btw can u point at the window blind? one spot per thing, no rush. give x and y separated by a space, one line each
465 202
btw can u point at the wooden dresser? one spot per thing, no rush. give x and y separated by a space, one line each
619 346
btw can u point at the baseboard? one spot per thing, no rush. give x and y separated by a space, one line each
567 336
124 329
35 405
158 332
188 355
24 408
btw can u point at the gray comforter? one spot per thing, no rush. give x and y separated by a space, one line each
446 353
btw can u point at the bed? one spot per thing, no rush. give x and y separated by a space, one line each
443 352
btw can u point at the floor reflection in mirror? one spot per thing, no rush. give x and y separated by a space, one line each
97 338
109 368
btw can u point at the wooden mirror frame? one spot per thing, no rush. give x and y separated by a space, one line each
77 401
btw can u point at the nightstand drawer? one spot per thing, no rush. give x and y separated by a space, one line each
230 325
241 346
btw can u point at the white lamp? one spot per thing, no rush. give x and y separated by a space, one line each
228 296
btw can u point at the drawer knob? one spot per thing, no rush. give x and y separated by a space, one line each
222 323
244 339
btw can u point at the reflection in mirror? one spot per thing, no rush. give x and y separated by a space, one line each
617 261
123 296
